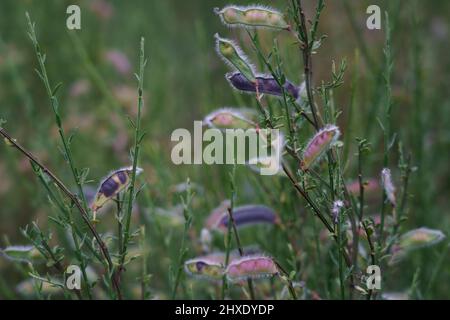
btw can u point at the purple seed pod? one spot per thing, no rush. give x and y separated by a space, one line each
251 267
266 84
243 216
112 185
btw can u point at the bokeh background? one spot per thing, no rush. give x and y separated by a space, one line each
184 81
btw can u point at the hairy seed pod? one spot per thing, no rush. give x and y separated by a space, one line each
217 214
252 16
20 253
319 144
231 118
251 267
232 54
243 216
420 238
210 267
266 84
112 185
413 240
389 188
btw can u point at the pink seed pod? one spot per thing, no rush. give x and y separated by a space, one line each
319 144
231 118
251 267
252 16
413 240
243 216
386 181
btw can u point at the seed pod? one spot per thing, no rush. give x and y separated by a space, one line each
20 253
252 16
386 180
231 118
413 240
420 238
209 267
271 165
251 267
319 144
243 216
266 84
234 57
112 185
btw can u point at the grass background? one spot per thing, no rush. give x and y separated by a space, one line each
185 81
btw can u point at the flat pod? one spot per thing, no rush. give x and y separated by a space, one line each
252 16
243 216
319 144
210 267
20 253
419 238
231 118
266 84
251 267
112 185
232 54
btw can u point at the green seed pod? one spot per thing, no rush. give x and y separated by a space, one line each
231 118
210 267
252 16
234 57
20 253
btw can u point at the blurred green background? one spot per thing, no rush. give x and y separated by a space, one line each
185 80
